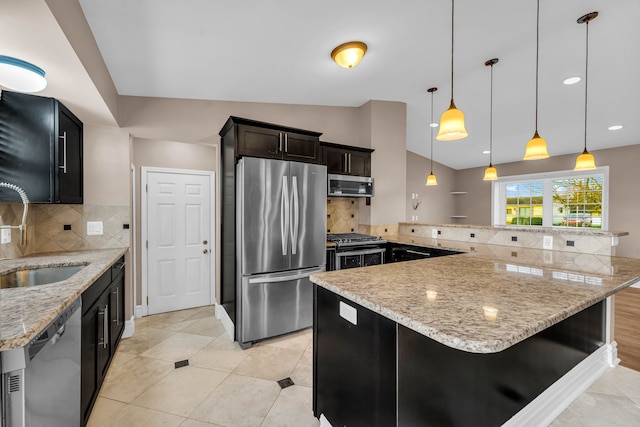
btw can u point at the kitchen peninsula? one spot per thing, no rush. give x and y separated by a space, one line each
498 335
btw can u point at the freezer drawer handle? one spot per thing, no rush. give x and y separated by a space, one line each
296 216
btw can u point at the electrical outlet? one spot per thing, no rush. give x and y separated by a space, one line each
94 228
547 242
5 236
434 233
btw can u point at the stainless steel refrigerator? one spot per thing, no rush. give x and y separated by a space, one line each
281 240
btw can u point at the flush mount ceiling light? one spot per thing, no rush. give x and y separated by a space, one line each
571 80
586 161
537 146
349 54
490 173
452 121
21 76
431 179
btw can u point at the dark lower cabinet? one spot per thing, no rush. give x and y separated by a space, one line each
102 327
354 364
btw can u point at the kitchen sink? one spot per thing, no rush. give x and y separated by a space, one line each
38 276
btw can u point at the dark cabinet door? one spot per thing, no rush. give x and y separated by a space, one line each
359 163
69 183
255 141
355 364
335 160
37 135
116 310
301 148
89 357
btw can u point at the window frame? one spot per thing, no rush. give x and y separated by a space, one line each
498 195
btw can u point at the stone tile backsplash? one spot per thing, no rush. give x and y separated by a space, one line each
342 215
46 228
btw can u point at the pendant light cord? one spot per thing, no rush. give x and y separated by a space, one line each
491 121
431 128
586 80
452 12
537 54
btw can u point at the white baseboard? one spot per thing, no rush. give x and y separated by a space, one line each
139 311
555 399
223 316
129 328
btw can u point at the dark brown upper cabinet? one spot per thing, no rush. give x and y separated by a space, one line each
346 160
266 140
40 149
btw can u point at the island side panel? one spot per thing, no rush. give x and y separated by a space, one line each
439 385
354 380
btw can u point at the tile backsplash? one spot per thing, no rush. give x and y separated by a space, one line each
342 215
46 228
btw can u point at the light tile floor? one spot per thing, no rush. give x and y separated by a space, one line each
226 386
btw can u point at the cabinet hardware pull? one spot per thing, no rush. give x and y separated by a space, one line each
345 164
117 319
279 147
349 162
105 327
64 151
286 142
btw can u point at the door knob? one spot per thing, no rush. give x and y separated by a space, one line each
205 251
204 242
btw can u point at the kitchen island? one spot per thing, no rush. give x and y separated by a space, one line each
489 337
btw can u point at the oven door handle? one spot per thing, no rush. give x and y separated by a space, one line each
425 254
360 252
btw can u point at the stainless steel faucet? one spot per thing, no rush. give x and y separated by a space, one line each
25 203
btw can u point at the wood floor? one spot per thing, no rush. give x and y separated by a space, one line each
627 327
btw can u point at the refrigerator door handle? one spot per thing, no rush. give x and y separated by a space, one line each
284 214
295 222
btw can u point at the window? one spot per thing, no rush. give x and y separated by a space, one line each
558 199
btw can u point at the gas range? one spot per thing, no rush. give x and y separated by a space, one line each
354 239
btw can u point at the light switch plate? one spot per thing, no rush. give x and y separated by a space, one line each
434 233
547 242
5 236
94 228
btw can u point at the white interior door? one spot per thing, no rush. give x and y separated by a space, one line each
179 241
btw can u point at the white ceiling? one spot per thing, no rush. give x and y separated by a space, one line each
278 52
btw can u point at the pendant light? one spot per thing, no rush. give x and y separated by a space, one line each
21 76
586 161
490 173
537 146
431 179
452 120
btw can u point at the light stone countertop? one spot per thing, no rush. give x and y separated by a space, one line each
531 289
25 312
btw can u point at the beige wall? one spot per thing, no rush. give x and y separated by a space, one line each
436 202
624 203
170 155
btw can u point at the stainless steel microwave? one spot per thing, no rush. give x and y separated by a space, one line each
349 186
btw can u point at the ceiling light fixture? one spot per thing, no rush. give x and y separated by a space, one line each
452 121
349 54
571 80
431 179
537 146
490 173
21 76
615 127
486 151
586 161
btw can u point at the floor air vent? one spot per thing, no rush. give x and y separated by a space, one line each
14 383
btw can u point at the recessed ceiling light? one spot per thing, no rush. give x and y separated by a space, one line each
434 125
571 80
486 152
615 127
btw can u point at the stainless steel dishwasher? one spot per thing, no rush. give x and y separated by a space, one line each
41 381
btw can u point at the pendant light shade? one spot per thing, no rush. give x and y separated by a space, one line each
348 55
537 146
586 161
431 179
490 173
452 121
21 76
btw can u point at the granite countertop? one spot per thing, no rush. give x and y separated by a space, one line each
25 312
444 298
565 230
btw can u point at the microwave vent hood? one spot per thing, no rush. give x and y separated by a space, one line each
349 186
